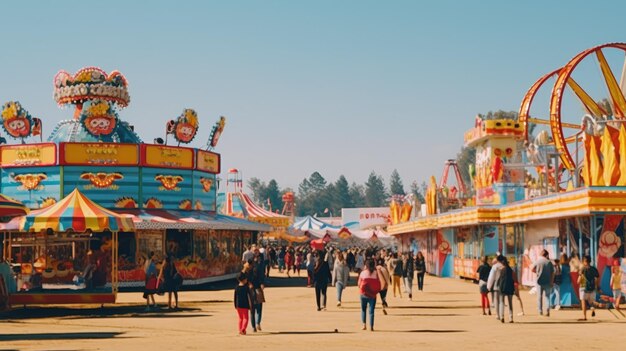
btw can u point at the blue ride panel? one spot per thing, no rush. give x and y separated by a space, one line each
204 191
110 187
166 188
35 187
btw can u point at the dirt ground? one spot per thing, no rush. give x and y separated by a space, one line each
445 316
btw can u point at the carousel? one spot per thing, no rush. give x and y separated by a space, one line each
101 200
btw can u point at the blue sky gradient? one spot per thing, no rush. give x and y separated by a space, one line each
339 87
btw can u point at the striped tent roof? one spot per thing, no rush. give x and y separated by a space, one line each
78 213
10 207
240 205
308 222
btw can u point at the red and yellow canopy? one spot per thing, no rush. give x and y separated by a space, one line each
78 213
10 207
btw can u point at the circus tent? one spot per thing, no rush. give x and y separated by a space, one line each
308 223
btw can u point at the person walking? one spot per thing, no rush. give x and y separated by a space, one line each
151 282
360 262
407 273
397 269
483 277
266 260
507 289
257 285
420 268
289 260
556 289
243 302
298 263
281 259
516 293
369 287
589 282
616 283
310 268
351 260
248 254
384 276
341 273
172 280
493 285
545 279
321 273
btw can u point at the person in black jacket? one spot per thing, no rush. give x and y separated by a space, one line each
257 285
483 276
322 277
507 287
420 268
243 302
408 272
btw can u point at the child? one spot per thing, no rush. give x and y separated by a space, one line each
243 302
616 283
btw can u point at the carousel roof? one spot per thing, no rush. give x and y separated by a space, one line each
78 213
73 131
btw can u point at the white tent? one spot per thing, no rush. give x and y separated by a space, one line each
311 223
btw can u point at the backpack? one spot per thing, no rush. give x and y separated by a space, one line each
506 283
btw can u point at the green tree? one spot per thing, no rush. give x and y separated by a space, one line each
395 184
274 196
303 204
326 203
375 192
312 196
465 158
417 192
341 195
500 114
357 195
318 183
258 189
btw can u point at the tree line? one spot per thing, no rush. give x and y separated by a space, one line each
317 196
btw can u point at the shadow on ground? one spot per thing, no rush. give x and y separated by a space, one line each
59 336
80 312
314 332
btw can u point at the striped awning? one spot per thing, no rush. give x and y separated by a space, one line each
10 207
188 220
76 212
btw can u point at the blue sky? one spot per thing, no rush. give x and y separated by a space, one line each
339 87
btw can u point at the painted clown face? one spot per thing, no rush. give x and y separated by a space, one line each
17 127
185 132
100 125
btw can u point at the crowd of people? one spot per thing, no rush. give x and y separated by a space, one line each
329 266
379 270
500 281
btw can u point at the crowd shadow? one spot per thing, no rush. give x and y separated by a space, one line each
307 332
59 336
429 307
114 311
286 282
427 315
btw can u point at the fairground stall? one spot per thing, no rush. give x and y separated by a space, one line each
66 253
167 191
557 184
